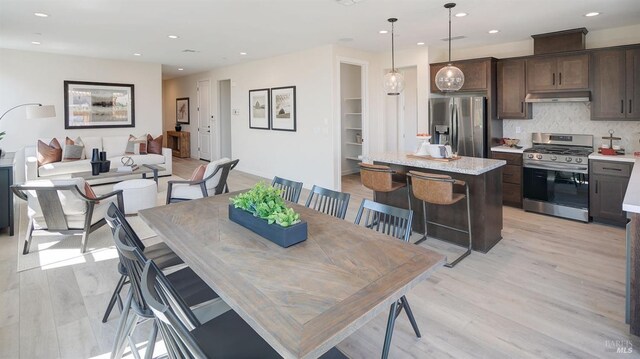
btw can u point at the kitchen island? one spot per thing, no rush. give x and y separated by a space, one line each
631 205
484 177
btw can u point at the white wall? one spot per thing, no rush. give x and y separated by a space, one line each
305 155
27 76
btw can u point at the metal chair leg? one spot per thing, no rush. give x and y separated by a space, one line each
123 325
465 254
114 298
389 332
28 237
412 319
424 220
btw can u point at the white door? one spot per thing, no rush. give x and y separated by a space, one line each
224 119
204 120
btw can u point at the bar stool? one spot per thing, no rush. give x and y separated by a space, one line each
379 178
438 189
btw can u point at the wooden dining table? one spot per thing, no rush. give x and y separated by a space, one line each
305 299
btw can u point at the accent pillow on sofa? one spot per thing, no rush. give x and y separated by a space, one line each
49 153
154 145
136 145
73 150
198 173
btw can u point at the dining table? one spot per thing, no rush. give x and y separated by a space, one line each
305 299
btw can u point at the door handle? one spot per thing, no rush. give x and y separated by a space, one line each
621 106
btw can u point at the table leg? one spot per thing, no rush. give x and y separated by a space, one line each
389 332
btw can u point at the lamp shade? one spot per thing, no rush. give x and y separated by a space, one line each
449 78
393 83
41 111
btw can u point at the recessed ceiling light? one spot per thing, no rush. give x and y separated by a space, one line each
180 69
35 42
243 53
137 54
420 44
494 31
40 14
461 14
590 14
383 32
173 36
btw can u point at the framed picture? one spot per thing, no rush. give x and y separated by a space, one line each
259 106
283 108
98 105
182 110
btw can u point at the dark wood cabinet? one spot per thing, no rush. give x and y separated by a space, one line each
511 178
477 74
615 91
6 195
633 83
551 73
608 182
512 90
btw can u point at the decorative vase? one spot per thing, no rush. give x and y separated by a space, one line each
282 236
105 166
103 156
95 156
95 167
178 128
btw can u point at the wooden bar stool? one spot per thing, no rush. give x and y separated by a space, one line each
379 178
438 189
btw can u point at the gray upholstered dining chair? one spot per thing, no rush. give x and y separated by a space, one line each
330 202
61 206
213 183
290 189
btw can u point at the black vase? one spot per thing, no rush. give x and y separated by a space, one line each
105 166
178 128
95 167
103 156
95 156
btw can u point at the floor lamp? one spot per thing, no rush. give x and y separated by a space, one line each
34 111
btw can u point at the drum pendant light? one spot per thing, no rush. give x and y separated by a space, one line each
393 81
449 78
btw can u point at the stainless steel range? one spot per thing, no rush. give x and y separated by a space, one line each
556 175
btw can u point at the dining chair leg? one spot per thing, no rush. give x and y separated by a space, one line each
28 237
130 324
114 298
412 319
151 344
389 332
122 324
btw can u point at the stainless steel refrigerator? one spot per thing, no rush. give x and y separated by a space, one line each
461 122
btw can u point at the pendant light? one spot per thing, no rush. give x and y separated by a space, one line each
449 78
393 81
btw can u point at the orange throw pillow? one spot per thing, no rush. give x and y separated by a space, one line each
49 153
88 191
154 145
198 173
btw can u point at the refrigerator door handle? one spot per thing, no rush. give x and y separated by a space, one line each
455 125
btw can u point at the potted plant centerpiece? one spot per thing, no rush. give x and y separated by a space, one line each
1 136
262 210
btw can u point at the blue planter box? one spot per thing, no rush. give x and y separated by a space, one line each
282 236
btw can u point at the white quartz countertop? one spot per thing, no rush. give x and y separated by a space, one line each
631 201
617 158
465 165
507 149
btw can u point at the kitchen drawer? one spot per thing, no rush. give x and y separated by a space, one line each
511 158
511 193
512 174
611 168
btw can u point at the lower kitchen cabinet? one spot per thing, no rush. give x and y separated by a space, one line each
6 196
608 182
511 178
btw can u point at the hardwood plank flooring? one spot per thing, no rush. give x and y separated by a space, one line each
552 288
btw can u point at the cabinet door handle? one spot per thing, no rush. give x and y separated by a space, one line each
560 80
612 169
553 78
621 106
596 186
630 111
522 106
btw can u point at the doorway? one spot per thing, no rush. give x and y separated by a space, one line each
204 120
401 114
224 134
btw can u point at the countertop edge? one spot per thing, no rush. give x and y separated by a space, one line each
435 165
631 202
618 158
507 149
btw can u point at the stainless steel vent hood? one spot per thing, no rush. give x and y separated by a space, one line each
576 96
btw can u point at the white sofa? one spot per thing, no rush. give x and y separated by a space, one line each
114 146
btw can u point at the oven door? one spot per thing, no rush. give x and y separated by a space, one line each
568 188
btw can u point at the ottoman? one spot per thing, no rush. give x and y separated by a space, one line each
137 194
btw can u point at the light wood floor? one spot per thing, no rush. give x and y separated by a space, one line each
551 288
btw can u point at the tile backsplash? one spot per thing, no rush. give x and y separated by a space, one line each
572 118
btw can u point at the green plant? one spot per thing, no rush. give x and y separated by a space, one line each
2 135
265 202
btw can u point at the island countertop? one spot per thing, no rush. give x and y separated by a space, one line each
465 165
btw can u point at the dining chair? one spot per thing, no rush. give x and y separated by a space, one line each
290 189
395 222
328 202
61 206
163 256
437 189
190 287
213 183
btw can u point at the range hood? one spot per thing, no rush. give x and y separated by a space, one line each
575 96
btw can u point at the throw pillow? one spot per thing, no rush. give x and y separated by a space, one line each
49 153
73 150
155 146
88 191
198 173
136 145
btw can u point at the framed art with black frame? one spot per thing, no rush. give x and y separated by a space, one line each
98 105
283 108
259 109
182 110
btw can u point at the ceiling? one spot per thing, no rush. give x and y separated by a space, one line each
219 30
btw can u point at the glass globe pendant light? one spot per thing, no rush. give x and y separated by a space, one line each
393 81
449 78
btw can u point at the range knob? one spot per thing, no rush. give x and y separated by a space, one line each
530 155
578 160
553 158
568 159
539 157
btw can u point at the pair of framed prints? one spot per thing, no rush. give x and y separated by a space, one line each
273 108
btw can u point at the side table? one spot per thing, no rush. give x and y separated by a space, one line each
6 195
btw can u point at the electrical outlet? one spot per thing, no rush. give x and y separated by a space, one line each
236 112
518 129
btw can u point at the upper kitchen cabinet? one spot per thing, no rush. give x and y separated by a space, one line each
616 84
477 74
551 73
512 90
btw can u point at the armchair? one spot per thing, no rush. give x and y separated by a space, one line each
62 206
213 183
